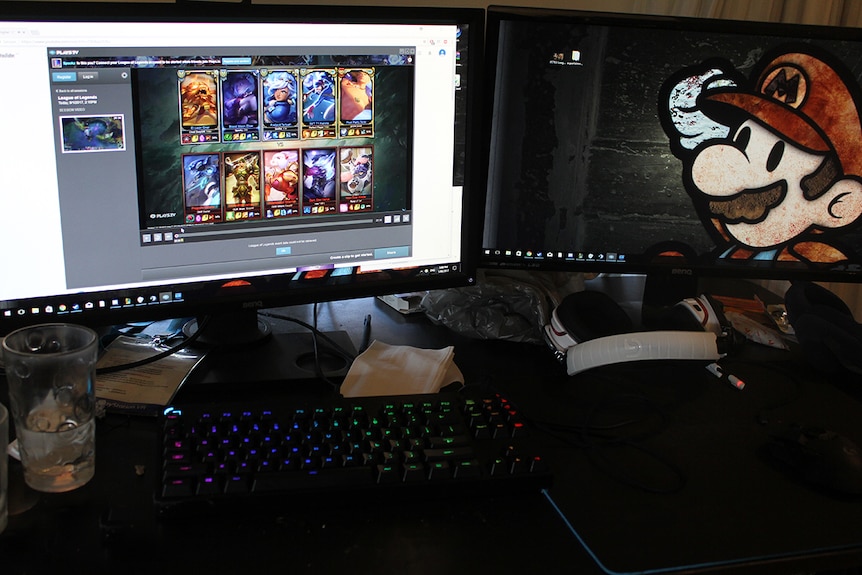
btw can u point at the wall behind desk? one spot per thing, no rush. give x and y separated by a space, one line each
833 12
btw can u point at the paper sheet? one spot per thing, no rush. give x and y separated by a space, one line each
142 389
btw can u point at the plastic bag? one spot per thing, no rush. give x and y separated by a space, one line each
506 307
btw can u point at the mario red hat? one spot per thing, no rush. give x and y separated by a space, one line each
806 101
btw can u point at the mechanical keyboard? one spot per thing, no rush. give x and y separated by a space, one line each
444 443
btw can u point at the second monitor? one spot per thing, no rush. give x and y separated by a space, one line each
677 146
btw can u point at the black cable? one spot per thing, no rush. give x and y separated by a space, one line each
162 354
598 443
345 354
315 334
318 368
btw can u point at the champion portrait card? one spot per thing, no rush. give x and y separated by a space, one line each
356 102
242 185
318 103
280 110
240 112
355 171
199 106
318 181
202 188
280 183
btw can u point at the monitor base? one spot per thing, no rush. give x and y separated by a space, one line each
279 357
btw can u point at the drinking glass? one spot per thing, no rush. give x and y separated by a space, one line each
50 369
4 467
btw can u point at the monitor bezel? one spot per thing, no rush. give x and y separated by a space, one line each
216 297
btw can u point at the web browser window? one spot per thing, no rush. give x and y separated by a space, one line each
147 153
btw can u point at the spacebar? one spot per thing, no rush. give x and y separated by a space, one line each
319 479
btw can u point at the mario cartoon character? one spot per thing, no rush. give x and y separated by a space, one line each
774 164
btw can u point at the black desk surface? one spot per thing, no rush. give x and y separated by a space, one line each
677 481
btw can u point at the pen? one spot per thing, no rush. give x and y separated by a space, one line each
716 370
366 333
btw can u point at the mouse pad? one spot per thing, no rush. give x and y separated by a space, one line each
694 487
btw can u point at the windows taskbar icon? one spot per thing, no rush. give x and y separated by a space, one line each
567 256
67 308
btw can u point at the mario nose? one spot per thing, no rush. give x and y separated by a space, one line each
723 170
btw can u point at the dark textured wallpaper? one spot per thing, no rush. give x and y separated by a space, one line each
580 159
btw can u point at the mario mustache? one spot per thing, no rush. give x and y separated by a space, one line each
750 206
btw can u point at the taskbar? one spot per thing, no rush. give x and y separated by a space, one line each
502 256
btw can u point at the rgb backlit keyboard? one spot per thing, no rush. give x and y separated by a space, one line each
442 442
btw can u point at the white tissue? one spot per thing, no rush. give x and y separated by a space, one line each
385 369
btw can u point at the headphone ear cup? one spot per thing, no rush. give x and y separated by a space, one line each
807 297
678 318
830 338
828 346
592 314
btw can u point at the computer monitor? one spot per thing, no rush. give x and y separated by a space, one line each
176 160
673 147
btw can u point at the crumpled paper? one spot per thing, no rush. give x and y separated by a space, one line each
755 331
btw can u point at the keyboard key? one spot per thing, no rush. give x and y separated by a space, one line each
387 474
467 469
178 487
453 441
439 470
447 454
209 485
413 472
313 480
236 484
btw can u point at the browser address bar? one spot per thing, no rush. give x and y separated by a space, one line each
23 34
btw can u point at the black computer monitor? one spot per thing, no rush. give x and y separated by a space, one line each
673 147
175 160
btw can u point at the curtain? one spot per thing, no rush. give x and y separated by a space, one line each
823 12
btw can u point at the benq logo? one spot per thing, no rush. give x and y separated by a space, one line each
681 272
252 304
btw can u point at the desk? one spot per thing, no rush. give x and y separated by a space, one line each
734 511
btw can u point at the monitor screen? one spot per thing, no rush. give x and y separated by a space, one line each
169 160
650 145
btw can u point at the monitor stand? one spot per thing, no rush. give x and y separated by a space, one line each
229 329
243 347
